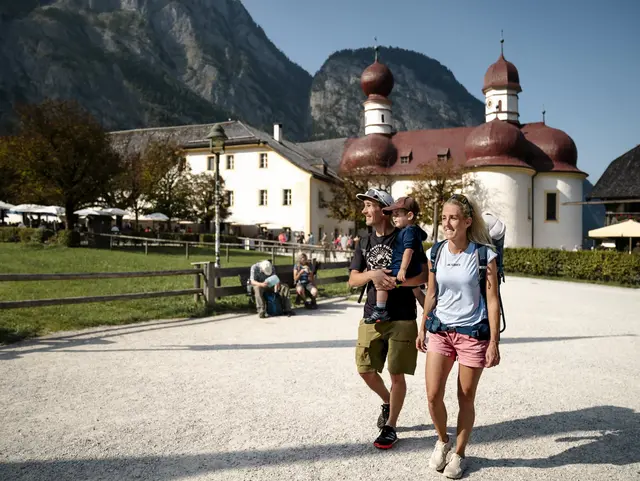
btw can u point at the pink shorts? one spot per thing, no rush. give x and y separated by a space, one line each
470 352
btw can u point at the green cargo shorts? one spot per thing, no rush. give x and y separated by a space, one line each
394 342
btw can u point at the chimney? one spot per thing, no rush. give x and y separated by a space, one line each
277 132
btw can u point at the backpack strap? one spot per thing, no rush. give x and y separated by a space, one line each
435 255
364 245
482 254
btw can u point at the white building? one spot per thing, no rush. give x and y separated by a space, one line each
271 184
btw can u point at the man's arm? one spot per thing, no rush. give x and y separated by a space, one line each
252 277
359 276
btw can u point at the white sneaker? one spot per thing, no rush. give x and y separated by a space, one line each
438 458
455 466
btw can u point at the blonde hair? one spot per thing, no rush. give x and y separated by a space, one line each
477 231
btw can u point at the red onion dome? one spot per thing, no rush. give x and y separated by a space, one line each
373 150
501 75
377 79
552 149
496 143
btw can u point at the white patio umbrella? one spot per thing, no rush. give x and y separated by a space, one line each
52 210
629 229
156 216
28 209
115 211
88 211
5 206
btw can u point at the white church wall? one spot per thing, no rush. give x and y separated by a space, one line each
505 193
509 105
566 231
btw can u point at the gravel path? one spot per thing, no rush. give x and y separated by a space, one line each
236 397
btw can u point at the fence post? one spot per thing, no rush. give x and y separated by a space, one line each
210 284
273 256
293 255
146 247
196 281
187 249
227 252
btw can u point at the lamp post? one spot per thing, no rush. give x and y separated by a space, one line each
217 138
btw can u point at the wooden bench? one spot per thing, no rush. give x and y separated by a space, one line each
286 277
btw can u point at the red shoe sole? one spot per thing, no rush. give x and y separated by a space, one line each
384 446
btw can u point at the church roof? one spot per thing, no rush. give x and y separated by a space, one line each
621 180
502 75
238 133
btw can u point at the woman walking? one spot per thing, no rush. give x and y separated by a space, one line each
463 321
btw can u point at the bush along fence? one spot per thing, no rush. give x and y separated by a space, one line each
599 266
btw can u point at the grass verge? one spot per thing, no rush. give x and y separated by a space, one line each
18 324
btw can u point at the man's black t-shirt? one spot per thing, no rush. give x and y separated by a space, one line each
401 304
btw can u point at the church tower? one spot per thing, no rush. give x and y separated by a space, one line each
377 83
501 88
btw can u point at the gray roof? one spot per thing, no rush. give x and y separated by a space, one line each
621 180
238 133
329 150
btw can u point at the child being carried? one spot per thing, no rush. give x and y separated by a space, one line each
404 264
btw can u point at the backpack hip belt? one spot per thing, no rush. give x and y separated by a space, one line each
480 330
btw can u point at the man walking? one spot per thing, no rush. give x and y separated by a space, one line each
390 342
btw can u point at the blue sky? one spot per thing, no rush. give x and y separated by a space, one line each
580 58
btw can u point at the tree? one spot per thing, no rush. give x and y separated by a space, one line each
9 176
63 156
141 175
203 199
344 205
167 174
434 184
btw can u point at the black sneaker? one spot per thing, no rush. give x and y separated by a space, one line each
378 315
384 416
387 438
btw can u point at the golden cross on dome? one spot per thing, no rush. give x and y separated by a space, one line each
501 42
375 39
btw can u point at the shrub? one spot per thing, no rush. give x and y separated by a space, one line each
68 238
9 234
617 267
26 234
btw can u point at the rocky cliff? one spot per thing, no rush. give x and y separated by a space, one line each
425 95
137 63
147 63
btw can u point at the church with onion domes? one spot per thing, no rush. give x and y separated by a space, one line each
524 173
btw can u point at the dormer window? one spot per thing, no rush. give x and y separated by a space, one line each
444 154
405 156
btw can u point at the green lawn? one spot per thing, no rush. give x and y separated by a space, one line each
17 324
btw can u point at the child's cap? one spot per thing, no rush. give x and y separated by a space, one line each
406 203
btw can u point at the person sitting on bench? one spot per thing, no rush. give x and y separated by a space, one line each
303 278
258 276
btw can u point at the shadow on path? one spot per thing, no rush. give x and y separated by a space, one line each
616 441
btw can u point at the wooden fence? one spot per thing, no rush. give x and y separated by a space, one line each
261 245
206 281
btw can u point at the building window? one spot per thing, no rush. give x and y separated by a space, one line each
444 154
230 162
262 197
211 162
383 118
404 159
286 196
551 207
263 161
322 203
230 198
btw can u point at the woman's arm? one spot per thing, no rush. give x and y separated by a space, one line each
296 273
429 305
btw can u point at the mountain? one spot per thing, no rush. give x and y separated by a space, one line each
139 63
149 63
592 214
425 95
